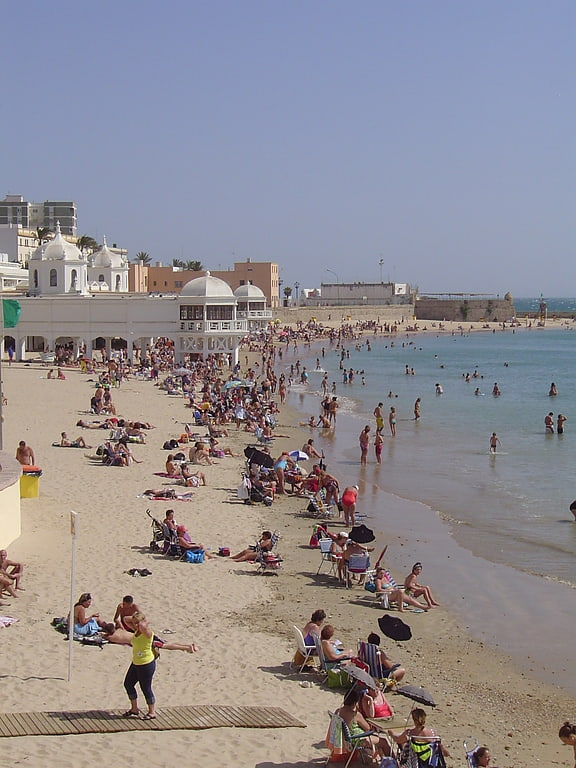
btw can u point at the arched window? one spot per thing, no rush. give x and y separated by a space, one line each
117 282
35 278
100 278
53 278
73 280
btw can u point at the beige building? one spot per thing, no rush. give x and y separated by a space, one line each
166 279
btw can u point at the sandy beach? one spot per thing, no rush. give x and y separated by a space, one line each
241 621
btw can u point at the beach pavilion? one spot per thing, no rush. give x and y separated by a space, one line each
83 301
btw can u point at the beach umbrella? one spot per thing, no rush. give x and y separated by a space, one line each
298 455
416 693
394 628
361 534
361 676
256 456
236 384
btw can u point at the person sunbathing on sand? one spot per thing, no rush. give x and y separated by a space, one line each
78 443
414 589
94 424
394 594
85 624
120 636
200 453
192 478
186 543
172 468
11 569
124 611
249 555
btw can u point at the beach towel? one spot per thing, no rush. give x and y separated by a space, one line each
6 621
165 474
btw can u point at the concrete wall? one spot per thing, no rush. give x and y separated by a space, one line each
333 316
9 500
465 310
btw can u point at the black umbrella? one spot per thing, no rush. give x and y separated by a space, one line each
394 627
359 674
256 456
416 693
361 534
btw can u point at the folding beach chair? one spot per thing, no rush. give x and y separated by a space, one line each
268 560
368 652
359 565
343 745
327 556
470 747
423 752
306 651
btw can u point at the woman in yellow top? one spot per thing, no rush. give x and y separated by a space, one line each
142 669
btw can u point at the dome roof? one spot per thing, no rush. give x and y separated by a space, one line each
57 249
104 257
207 286
249 291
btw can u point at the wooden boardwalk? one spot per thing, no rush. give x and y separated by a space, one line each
168 719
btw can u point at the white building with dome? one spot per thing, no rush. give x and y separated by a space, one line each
108 271
203 320
58 267
252 306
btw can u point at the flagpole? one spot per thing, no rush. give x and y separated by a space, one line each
1 383
73 531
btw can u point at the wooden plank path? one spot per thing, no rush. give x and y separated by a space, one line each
168 719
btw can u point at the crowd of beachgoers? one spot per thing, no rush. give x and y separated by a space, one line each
230 412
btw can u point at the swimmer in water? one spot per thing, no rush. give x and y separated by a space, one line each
494 442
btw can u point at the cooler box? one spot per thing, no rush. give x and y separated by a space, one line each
30 482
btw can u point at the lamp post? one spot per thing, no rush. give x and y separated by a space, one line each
380 263
296 287
337 284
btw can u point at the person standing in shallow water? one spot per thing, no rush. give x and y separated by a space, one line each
494 442
364 440
392 421
549 423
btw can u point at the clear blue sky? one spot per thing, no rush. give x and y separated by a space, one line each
437 136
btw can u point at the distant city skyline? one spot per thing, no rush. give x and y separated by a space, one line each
428 143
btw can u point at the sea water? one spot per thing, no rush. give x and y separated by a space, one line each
511 508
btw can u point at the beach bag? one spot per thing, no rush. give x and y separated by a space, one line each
370 586
337 678
194 557
224 551
299 660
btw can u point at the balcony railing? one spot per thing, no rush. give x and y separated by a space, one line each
213 326
254 313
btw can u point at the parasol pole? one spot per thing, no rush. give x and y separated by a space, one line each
1 383
381 556
73 531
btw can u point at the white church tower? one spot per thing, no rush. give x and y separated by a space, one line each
57 268
107 271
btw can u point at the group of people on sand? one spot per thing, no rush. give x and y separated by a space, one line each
129 627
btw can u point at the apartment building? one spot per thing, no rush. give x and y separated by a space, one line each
16 211
164 279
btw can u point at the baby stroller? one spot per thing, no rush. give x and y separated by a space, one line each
158 534
252 495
